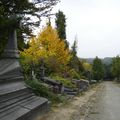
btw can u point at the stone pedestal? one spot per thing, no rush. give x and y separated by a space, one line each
11 50
10 70
17 101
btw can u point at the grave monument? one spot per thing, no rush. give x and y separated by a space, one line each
17 101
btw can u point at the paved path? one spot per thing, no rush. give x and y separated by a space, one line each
107 103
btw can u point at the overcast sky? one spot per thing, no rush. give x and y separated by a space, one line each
96 23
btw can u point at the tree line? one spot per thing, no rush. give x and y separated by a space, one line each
102 71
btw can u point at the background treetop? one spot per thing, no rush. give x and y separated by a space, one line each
25 9
28 11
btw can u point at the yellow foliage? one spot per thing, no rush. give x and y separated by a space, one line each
47 45
87 66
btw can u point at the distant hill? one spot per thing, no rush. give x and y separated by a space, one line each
106 60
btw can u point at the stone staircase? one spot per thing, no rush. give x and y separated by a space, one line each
17 102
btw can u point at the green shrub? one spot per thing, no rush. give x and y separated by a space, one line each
73 74
65 82
25 66
43 91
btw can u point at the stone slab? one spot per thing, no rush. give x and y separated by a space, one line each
11 87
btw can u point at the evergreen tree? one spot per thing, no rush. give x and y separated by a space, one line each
97 69
61 26
108 72
74 48
75 62
74 59
116 67
25 11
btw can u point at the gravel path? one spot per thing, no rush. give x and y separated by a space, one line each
106 104
76 109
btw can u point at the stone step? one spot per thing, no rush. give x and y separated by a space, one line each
5 106
16 79
71 93
11 79
17 102
12 87
13 95
15 99
68 89
25 109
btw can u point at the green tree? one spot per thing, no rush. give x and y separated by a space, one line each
25 11
74 59
116 67
97 69
108 72
61 26
74 48
75 62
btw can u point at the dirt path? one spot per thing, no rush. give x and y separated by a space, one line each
107 103
75 109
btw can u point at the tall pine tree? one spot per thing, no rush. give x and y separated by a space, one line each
75 62
61 26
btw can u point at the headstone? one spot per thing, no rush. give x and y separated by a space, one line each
61 88
42 71
89 76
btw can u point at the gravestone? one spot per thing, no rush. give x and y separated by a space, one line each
89 76
42 70
17 101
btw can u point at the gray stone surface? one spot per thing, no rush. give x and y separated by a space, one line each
23 108
10 70
11 50
106 105
17 102
82 85
6 88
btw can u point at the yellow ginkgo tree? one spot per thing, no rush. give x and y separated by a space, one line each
87 66
49 47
